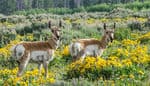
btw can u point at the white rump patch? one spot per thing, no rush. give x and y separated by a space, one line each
12 50
75 48
17 51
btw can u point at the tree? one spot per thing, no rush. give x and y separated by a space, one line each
77 3
7 6
28 4
91 2
35 3
48 3
20 4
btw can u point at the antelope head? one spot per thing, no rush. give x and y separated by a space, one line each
109 33
56 32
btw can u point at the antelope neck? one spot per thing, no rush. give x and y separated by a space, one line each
53 42
104 42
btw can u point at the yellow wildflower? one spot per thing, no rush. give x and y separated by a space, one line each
141 72
66 52
127 42
50 80
127 62
131 76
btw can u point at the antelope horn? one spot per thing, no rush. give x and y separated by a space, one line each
49 24
60 23
114 25
104 26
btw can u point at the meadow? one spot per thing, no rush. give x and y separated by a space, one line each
125 62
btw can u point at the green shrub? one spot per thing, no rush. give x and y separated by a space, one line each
94 8
3 19
22 12
28 29
120 12
100 7
38 26
135 25
71 34
92 32
19 30
36 35
59 10
138 5
81 9
76 25
122 33
147 23
135 5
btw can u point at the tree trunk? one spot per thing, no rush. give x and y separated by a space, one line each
19 4
77 3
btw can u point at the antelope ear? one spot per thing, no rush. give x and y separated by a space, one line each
114 25
60 23
104 26
49 24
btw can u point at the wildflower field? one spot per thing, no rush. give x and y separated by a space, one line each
125 62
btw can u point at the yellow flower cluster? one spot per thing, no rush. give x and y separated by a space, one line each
65 51
135 35
104 20
144 37
127 62
29 37
7 24
68 21
137 54
118 19
124 19
114 61
92 63
29 78
136 19
77 21
90 21
127 42
5 51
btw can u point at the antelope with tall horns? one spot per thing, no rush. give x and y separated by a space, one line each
40 52
91 47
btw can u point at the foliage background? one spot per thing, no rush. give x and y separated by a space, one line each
68 6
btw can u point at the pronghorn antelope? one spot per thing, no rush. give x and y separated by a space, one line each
91 47
39 52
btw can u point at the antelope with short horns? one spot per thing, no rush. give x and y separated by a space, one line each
40 52
91 47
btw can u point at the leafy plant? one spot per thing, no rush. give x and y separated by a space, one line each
122 33
135 25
